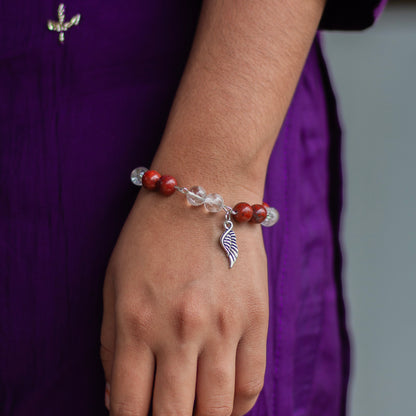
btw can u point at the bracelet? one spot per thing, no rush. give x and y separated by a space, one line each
242 212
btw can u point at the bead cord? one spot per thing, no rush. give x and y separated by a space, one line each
196 195
242 212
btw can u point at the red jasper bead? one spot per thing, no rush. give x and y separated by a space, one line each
259 213
150 180
167 185
243 212
266 204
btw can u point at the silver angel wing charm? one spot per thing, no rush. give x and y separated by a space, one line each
229 242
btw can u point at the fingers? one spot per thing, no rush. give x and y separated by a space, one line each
250 369
174 390
132 379
223 378
216 380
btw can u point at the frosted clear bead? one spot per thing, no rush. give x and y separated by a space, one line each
137 175
196 195
272 217
214 203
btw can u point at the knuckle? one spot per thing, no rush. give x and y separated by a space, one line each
220 378
169 410
135 317
216 410
122 409
227 322
249 390
106 354
259 314
190 317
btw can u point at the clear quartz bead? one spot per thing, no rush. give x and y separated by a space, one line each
137 175
196 195
272 217
214 203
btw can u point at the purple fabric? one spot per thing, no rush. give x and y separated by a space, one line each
74 120
351 14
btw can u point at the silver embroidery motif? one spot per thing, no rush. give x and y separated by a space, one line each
61 26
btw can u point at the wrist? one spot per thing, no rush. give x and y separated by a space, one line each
196 196
216 172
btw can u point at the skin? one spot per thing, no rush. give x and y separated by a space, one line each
183 334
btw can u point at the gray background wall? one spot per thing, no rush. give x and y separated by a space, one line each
374 74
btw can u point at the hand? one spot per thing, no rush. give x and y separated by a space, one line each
182 333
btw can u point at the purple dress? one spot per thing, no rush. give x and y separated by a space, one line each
74 120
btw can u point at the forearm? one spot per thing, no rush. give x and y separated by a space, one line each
179 333
242 72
